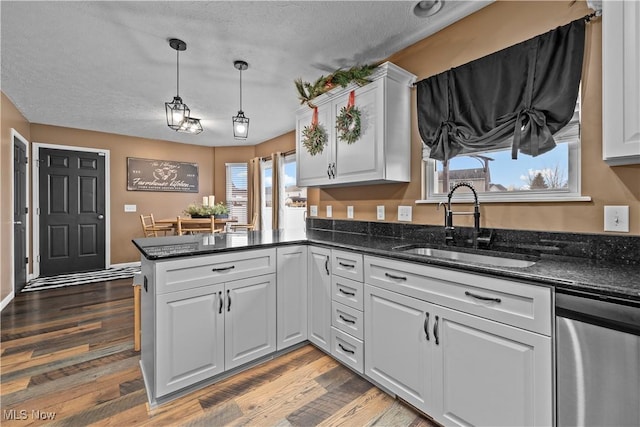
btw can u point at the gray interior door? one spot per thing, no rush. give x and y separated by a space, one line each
19 214
72 208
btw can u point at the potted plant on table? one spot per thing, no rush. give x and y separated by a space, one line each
219 210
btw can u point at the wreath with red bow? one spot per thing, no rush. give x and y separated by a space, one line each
348 122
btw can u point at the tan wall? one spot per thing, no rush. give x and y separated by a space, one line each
126 226
282 143
493 28
10 118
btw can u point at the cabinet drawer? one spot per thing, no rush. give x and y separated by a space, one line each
347 319
347 349
347 264
348 292
187 273
514 303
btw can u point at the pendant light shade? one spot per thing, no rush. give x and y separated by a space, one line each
240 122
178 114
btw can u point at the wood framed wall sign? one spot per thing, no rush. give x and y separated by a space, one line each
161 175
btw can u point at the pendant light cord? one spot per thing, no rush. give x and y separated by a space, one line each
178 73
240 89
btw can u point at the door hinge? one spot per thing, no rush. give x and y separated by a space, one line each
26 160
26 260
26 210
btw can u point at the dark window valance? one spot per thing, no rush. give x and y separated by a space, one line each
519 97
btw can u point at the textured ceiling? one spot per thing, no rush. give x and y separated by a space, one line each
107 65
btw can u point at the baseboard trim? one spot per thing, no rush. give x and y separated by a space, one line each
6 301
125 264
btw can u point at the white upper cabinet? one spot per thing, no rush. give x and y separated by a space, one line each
382 153
621 82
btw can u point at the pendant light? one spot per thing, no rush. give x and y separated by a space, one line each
240 122
178 114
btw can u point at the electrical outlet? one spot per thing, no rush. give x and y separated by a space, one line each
313 210
380 213
616 218
404 213
350 212
130 208
329 211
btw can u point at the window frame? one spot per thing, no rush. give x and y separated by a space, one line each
228 201
573 192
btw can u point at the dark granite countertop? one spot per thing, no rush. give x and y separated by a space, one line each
603 278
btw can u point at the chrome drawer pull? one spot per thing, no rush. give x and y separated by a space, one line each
346 320
346 265
224 268
342 291
480 297
426 325
391 276
221 302
346 349
435 331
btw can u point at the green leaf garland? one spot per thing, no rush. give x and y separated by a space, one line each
357 74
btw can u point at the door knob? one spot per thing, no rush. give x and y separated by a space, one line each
100 216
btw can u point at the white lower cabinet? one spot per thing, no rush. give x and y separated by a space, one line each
250 320
397 355
460 368
487 373
291 295
319 304
190 337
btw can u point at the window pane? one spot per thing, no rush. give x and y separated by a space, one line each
498 172
237 191
295 198
267 194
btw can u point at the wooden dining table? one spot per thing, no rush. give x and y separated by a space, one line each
220 223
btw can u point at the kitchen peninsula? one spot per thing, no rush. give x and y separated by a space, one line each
213 305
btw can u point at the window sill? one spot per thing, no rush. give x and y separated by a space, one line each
525 198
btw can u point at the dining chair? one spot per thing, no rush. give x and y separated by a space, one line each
250 226
151 229
186 225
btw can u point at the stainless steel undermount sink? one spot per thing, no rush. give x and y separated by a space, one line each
492 260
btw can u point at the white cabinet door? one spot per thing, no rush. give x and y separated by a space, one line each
250 319
314 170
291 295
319 304
397 354
190 337
621 82
362 160
488 373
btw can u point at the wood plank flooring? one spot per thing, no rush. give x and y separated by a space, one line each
67 359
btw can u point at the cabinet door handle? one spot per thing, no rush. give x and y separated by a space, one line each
426 325
344 319
480 297
334 170
231 267
228 301
146 284
326 265
435 332
350 294
346 265
329 171
391 276
346 349
221 302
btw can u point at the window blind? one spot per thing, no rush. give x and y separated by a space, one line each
237 191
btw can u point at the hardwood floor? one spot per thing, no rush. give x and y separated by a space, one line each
67 359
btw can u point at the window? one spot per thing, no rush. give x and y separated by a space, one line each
237 191
295 198
552 176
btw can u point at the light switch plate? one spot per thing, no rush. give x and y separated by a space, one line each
313 210
404 213
130 208
616 218
380 213
329 211
350 212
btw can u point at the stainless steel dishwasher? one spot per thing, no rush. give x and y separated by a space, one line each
598 361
